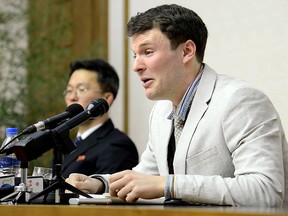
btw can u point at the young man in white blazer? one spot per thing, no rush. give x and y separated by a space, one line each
232 149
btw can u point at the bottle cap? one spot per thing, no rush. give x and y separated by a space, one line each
11 131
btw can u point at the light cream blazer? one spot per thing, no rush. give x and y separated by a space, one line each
232 150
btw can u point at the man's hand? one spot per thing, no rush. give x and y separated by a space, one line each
129 186
84 183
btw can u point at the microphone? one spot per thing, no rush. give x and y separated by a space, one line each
53 121
95 109
49 123
38 143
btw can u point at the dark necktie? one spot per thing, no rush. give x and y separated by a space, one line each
77 140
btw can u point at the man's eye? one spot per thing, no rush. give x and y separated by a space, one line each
82 89
147 52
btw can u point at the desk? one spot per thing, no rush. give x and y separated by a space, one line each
132 210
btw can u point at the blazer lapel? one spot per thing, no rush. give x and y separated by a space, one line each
89 142
198 109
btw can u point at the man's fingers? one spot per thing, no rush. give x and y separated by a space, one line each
116 176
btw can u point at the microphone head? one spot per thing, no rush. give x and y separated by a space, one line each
98 106
74 109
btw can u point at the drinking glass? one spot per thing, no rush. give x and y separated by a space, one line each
46 173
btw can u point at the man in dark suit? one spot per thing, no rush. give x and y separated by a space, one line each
101 148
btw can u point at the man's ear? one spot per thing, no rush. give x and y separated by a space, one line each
108 96
189 51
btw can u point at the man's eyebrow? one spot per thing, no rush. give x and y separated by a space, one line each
144 44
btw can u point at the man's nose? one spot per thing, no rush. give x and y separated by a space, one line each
138 64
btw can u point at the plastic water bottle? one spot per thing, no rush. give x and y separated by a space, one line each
9 165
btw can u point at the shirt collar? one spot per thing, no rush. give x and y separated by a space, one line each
86 133
183 108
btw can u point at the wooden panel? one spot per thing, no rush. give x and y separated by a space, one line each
89 21
81 22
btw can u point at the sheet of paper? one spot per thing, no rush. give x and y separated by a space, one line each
107 199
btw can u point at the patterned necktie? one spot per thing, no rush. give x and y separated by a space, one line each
179 123
77 140
178 126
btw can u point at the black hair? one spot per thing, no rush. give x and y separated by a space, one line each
107 76
178 23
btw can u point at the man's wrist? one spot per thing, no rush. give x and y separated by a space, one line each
100 186
103 183
168 189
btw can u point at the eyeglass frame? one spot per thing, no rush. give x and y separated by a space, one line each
79 90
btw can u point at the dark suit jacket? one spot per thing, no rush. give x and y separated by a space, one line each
105 151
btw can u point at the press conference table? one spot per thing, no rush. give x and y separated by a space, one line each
129 210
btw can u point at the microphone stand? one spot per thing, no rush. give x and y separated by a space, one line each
23 188
58 183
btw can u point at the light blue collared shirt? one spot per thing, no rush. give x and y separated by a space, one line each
183 107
